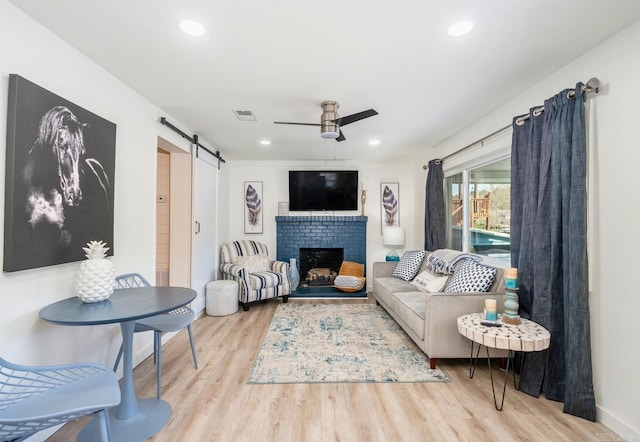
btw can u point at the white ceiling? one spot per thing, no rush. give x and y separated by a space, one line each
282 58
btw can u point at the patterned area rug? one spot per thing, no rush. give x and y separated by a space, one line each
312 343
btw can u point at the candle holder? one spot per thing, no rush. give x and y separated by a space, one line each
511 306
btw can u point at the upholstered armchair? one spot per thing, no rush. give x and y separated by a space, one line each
258 276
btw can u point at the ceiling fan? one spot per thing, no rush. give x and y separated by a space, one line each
331 122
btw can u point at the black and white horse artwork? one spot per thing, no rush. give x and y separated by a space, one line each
56 170
60 169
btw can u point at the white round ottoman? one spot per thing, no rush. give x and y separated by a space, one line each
222 297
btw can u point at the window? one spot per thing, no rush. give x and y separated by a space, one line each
478 201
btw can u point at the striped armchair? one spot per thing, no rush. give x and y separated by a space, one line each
258 276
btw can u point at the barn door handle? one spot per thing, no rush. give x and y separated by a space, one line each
197 227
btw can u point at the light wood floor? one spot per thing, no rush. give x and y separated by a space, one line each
215 403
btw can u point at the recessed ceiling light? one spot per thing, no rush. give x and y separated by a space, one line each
265 142
192 28
460 28
374 142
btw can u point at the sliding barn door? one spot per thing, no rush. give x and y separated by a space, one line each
205 247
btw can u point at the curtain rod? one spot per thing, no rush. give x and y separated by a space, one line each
593 85
193 140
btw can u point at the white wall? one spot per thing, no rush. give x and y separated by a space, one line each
275 187
614 180
28 49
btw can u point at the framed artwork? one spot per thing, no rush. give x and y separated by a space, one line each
60 163
253 207
389 205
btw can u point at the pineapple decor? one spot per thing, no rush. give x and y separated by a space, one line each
96 276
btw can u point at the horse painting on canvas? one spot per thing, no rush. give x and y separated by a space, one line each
60 177
52 172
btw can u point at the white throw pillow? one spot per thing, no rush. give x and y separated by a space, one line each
347 281
427 282
253 263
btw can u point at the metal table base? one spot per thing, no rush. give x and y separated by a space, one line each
473 362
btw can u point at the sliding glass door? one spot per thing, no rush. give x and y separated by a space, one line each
453 201
478 201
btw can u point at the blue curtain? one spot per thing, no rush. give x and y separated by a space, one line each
549 248
435 235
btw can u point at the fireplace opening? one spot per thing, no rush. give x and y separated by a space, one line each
320 266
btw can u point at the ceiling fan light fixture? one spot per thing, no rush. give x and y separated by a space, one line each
330 134
331 122
328 127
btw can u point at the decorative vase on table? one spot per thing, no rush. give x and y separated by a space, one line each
96 276
294 275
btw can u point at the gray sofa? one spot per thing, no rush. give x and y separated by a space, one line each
430 319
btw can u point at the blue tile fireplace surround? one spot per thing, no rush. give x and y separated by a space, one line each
347 232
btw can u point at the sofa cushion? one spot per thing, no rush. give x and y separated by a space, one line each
350 268
409 264
253 263
264 280
428 282
410 307
349 283
386 286
470 276
392 285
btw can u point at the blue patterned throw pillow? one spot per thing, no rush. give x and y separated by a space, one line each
470 276
409 264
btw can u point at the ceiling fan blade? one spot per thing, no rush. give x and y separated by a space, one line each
355 117
341 137
297 124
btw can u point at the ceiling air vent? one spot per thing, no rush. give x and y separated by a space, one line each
245 115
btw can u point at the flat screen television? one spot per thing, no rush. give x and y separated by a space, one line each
323 190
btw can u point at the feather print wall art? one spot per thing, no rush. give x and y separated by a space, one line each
390 205
253 207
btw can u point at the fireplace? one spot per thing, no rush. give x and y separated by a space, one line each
320 265
348 233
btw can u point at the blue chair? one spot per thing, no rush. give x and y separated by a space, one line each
172 321
35 398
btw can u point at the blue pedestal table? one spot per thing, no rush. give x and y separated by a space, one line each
133 419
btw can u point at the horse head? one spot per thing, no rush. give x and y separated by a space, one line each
61 133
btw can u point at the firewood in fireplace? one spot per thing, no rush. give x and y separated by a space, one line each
321 276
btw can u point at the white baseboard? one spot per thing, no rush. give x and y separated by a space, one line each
620 430
198 305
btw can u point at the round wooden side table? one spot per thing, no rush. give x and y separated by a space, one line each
527 336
